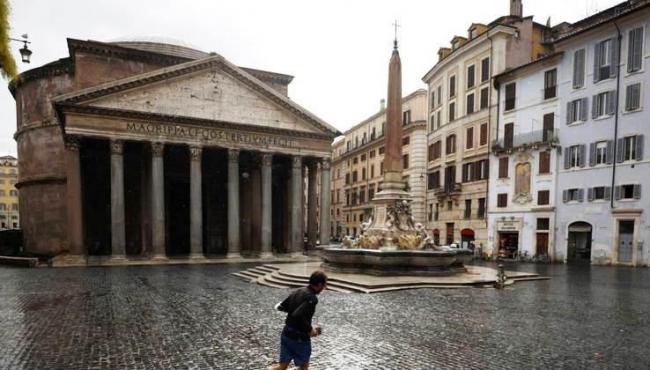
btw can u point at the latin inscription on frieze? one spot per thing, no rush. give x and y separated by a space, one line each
207 134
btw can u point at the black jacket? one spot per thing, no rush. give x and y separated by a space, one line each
300 307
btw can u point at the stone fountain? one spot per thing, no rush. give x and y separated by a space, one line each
391 242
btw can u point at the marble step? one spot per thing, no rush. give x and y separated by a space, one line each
250 274
345 286
267 268
264 282
243 277
294 283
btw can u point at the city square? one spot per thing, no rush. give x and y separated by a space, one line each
238 203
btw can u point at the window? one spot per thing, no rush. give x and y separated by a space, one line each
468 209
362 195
430 213
470 103
483 134
579 69
363 174
372 154
363 157
450 144
511 95
630 148
452 86
572 195
482 169
355 160
550 84
544 162
406 117
577 111
439 117
433 180
471 76
372 171
450 205
450 178
503 167
484 98
603 104
405 161
574 156
439 96
508 135
14 207
485 69
548 127
406 140
633 97
3 207
347 178
373 134
635 50
434 151
381 168
452 111
599 193
604 55
371 191
543 197
436 214
627 191
481 208
469 138
13 193
468 172
381 150
2 193
432 101
354 176
543 224
598 152
502 200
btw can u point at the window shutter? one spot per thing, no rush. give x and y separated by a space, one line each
613 52
579 69
620 150
617 192
637 191
611 102
608 193
596 64
569 112
635 49
592 154
567 163
639 147
581 155
610 152
565 196
581 195
584 108
594 107
590 194
628 98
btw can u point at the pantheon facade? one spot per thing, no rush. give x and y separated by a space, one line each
144 150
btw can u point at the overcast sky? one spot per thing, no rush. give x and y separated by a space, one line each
337 50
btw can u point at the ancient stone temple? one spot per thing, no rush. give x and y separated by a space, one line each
139 150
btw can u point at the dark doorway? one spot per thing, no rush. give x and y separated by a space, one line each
467 239
450 233
135 175
436 237
96 196
177 200
508 244
579 243
215 201
542 245
280 224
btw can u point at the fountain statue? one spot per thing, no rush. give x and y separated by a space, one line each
391 242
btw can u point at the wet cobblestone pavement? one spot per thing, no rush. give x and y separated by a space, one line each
199 317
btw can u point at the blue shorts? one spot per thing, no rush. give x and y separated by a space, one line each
293 348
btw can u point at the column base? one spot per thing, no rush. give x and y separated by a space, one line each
266 255
197 256
296 254
117 259
159 257
70 260
233 255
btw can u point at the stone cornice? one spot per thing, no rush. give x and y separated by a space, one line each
95 92
171 119
101 48
56 68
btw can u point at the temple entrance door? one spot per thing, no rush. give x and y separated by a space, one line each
177 200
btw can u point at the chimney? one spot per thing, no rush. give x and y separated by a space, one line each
516 8
382 104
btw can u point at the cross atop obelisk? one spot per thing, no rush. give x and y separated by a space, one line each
396 25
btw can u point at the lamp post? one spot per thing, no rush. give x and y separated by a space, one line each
25 53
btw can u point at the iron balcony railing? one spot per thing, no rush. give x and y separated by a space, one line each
549 137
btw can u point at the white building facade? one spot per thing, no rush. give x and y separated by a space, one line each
523 162
603 186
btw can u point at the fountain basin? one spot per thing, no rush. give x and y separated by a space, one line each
396 263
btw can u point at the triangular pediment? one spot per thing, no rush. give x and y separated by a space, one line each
210 89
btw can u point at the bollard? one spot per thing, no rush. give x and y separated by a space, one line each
501 277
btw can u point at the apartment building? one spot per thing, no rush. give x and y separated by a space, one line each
603 193
461 101
523 164
9 216
357 164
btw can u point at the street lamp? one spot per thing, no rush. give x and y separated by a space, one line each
25 53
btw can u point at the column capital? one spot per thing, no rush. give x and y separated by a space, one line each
117 146
325 163
296 161
267 159
157 149
233 155
72 143
195 152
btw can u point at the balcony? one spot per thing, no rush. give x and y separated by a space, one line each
449 190
525 140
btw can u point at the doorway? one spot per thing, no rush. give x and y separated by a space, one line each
467 239
541 245
450 233
579 243
625 241
508 244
